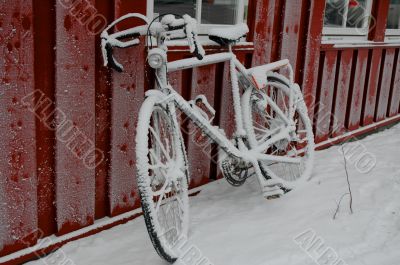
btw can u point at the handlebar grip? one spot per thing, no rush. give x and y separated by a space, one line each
191 32
111 60
116 39
197 52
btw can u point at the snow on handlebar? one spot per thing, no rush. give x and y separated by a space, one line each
170 28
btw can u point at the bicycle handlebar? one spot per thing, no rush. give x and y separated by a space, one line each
169 27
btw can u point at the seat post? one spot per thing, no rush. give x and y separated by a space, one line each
230 47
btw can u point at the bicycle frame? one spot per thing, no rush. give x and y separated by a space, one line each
241 152
161 161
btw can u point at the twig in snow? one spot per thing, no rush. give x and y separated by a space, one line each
349 187
348 181
338 205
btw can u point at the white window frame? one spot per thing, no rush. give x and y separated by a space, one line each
344 33
393 34
203 28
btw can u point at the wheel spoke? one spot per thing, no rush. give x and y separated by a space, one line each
162 192
157 138
270 133
284 103
261 130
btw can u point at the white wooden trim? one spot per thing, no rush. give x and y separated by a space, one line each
393 32
204 28
343 39
150 9
369 12
393 39
346 13
199 6
240 11
345 31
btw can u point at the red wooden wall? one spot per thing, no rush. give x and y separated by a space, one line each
18 175
83 114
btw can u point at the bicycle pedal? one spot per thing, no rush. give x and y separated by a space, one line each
272 192
285 190
273 197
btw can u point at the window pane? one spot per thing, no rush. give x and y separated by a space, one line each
180 7
334 11
394 15
246 10
218 11
357 14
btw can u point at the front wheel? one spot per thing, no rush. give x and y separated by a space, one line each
162 177
262 121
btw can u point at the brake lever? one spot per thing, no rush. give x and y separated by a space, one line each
108 43
109 60
192 37
112 40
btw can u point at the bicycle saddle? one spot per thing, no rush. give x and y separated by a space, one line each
228 35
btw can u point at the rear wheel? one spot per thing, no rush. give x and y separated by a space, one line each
262 122
162 177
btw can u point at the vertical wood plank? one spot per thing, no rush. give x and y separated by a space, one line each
372 87
312 54
291 39
218 96
393 108
75 97
380 11
325 100
199 148
175 78
267 31
227 114
127 97
44 29
341 95
356 92
384 89
103 118
18 178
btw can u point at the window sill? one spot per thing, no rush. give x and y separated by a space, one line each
346 42
393 33
392 39
359 45
344 39
208 45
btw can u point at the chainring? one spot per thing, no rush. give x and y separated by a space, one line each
233 172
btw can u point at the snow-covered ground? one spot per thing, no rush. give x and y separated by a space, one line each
237 226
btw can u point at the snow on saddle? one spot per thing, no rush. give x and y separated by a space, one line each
228 35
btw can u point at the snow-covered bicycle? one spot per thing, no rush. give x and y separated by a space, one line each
273 139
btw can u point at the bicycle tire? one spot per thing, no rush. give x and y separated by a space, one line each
146 173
